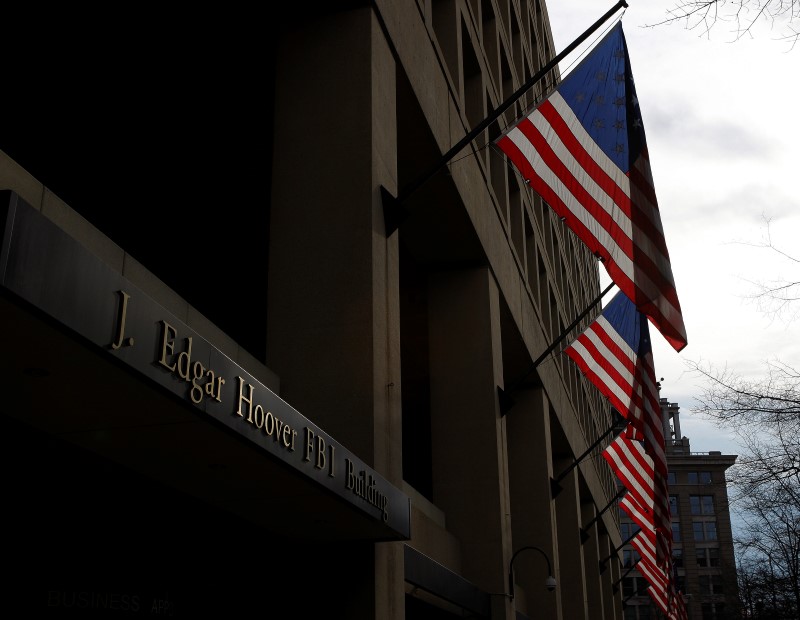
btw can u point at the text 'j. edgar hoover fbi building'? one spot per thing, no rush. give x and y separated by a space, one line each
232 381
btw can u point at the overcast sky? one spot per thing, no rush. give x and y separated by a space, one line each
722 130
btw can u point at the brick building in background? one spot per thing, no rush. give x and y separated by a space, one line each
703 549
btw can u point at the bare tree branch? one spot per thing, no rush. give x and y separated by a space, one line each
775 298
744 15
764 414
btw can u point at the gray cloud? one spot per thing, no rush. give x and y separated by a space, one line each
685 131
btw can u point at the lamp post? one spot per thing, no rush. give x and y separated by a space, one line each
549 583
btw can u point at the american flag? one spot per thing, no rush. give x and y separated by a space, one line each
639 515
647 567
658 578
660 541
662 587
583 150
615 354
635 471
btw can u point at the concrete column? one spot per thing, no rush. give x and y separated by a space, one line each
469 451
333 332
591 559
533 517
570 553
612 607
333 309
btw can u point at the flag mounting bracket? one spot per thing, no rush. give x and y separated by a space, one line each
618 425
616 550
585 528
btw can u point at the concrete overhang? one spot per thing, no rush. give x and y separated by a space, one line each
91 359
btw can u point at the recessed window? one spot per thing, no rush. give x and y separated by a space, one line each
704 530
627 530
707 557
699 477
713 611
710 584
702 504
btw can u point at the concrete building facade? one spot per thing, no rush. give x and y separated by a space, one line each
231 385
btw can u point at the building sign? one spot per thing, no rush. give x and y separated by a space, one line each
43 265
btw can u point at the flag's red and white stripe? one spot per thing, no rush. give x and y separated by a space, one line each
655 576
634 469
662 587
660 540
613 213
626 379
646 487
639 515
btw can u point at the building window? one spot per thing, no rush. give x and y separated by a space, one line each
638 612
704 530
626 530
629 557
699 477
634 586
707 558
713 611
710 584
628 586
677 558
702 504
673 505
672 478
676 532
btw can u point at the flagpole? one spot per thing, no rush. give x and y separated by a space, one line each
506 402
639 591
585 528
617 550
392 205
615 585
617 427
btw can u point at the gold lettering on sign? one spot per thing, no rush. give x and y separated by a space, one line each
176 359
184 360
122 312
205 381
363 485
316 443
266 421
168 334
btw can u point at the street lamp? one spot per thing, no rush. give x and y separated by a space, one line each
549 583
